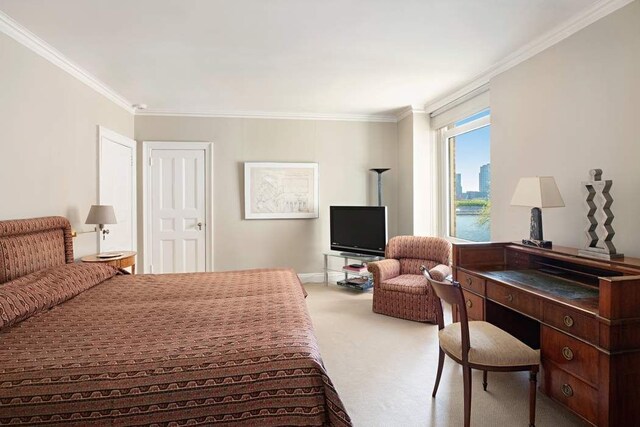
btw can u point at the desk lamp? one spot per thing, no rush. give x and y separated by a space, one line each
101 215
537 192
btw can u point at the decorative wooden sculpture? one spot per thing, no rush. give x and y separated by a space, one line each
599 231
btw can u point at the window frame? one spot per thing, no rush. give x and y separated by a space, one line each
445 133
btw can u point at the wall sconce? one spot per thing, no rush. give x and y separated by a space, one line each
101 215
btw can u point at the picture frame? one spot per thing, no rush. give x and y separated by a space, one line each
281 190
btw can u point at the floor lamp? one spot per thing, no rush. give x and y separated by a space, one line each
379 171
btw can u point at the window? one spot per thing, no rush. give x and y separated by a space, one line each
468 178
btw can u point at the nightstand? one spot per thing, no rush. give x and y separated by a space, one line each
127 259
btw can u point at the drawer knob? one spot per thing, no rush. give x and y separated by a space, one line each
469 281
469 303
568 321
567 353
510 298
567 390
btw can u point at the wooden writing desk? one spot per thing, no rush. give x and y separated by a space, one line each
583 314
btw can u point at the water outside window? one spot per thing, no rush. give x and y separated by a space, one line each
470 180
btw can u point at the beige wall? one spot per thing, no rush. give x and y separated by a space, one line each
426 164
417 176
571 108
405 175
48 142
344 150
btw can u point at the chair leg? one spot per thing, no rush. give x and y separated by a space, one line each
466 375
532 396
484 380
439 374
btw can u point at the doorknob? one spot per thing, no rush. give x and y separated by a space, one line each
199 226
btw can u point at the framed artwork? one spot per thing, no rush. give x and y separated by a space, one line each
280 190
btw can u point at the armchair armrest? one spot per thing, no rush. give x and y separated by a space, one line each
383 270
440 271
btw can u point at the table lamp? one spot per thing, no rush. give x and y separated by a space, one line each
101 215
537 192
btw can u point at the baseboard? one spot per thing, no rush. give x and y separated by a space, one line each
319 277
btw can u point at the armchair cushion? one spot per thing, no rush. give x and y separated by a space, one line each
407 283
412 265
434 249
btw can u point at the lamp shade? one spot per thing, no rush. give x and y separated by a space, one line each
101 214
538 192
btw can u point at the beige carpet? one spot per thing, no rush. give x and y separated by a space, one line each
384 369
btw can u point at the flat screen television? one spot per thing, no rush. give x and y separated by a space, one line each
358 229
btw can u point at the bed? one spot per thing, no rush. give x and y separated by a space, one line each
82 344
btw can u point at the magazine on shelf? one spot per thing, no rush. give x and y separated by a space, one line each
355 268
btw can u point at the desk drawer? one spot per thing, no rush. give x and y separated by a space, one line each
511 298
475 306
473 283
577 395
571 321
570 354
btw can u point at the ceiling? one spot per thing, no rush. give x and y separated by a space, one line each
358 57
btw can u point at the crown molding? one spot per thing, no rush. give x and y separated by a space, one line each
406 112
25 37
270 115
588 16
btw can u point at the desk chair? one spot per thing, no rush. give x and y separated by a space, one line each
479 345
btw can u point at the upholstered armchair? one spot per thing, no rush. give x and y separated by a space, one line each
399 288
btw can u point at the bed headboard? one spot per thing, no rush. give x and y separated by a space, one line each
29 245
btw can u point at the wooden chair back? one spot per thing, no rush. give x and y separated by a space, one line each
451 292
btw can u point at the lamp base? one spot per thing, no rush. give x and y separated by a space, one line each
599 254
546 244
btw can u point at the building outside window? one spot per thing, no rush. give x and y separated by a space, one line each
469 178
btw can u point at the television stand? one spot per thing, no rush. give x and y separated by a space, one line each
351 255
347 256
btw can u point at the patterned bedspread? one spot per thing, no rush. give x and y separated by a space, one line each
233 348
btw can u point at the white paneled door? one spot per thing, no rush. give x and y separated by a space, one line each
178 210
117 187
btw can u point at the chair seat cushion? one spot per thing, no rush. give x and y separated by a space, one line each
407 283
490 345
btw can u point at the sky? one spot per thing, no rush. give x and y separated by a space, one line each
472 151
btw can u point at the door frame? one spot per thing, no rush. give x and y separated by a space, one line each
147 147
129 143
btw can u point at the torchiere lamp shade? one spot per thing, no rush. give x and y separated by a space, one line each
101 214
379 171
